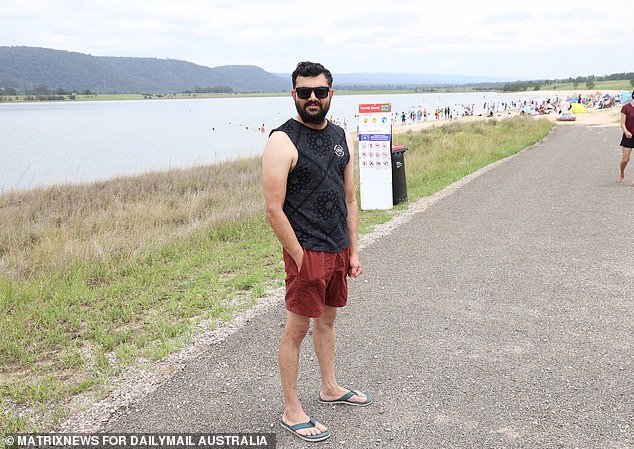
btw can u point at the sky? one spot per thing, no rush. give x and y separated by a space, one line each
538 39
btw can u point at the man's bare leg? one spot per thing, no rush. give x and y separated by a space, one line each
295 330
324 342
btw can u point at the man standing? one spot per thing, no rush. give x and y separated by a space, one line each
307 168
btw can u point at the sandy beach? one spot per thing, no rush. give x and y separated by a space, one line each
597 117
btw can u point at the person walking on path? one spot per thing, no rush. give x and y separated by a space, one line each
627 142
307 168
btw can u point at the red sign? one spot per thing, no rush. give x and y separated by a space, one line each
370 108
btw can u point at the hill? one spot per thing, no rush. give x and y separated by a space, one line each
411 79
26 68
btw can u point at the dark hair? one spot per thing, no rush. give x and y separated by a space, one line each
311 69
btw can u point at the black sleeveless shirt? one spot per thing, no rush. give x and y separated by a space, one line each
315 202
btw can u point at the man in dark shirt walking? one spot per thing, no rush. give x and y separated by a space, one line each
307 168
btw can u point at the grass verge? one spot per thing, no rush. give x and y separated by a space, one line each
94 278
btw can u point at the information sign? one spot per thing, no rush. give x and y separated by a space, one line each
375 158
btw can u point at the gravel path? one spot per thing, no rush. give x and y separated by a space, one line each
499 315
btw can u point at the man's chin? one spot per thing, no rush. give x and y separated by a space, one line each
314 114
315 119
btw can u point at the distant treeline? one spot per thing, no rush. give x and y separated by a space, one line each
589 82
44 90
43 93
211 90
370 87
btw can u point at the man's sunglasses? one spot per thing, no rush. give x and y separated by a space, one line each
304 92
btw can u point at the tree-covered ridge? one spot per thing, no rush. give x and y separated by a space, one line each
26 69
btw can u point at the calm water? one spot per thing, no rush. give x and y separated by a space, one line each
42 144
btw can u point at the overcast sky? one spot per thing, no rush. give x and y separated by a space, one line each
524 40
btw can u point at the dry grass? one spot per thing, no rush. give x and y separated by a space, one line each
60 227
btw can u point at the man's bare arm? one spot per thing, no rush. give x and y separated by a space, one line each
355 269
278 159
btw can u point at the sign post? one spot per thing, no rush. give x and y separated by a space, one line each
375 158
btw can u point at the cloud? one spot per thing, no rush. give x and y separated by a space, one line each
475 38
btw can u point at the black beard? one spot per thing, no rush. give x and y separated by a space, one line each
313 119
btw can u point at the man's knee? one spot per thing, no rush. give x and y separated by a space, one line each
327 318
296 328
322 325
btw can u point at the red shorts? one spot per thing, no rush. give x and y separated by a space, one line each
321 282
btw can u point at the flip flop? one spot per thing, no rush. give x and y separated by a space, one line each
345 399
305 425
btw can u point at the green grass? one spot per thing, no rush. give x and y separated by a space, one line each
603 86
98 277
446 154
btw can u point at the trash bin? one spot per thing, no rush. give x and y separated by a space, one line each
399 184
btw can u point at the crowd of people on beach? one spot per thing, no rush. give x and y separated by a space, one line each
421 114
558 105
533 106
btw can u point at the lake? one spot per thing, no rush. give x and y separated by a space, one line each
43 144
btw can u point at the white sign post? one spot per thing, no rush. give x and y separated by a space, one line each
375 157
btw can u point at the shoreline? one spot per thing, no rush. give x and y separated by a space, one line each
14 99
